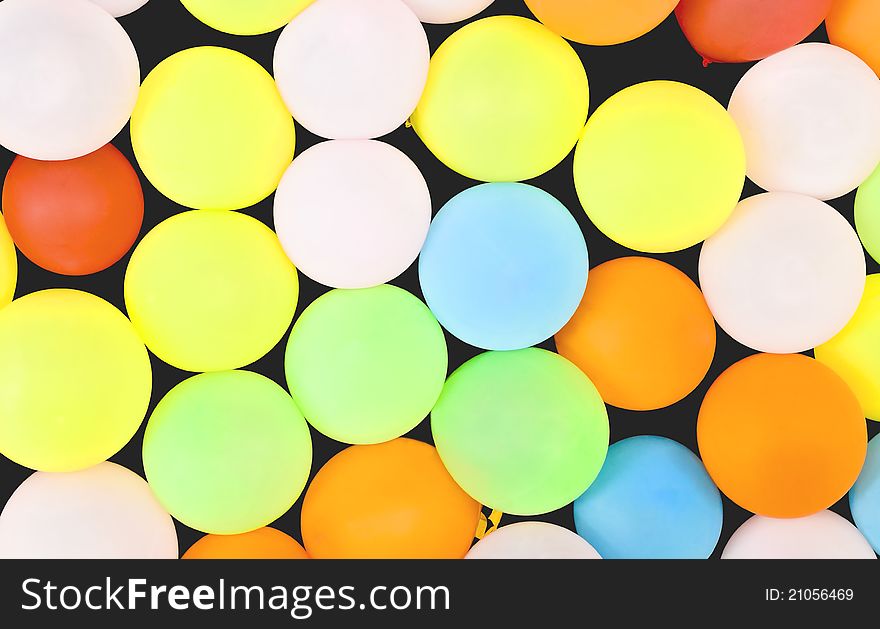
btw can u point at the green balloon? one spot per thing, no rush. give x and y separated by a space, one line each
366 365
524 432
227 452
868 214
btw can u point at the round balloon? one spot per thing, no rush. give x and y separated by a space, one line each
532 540
853 24
8 265
446 11
69 78
659 167
103 512
352 69
864 497
392 500
652 500
264 543
599 22
810 120
118 8
366 366
75 380
210 130
854 353
823 535
524 432
784 274
781 435
210 291
227 452
736 31
504 266
867 214
246 17
506 100
643 334
352 214
74 217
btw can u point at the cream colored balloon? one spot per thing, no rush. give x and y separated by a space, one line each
446 11
118 8
784 274
823 535
103 512
810 120
69 78
532 540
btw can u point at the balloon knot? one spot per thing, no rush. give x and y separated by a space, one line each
706 62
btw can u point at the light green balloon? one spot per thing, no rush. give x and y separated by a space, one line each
868 214
524 432
227 452
366 365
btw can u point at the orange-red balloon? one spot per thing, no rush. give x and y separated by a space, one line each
735 31
393 500
264 543
782 435
855 25
74 217
643 333
601 22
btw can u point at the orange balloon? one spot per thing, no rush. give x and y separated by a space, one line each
643 333
855 25
264 543
392 500
76 216
601 22
782 435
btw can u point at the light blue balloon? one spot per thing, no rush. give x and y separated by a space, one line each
504 266
864 497
653 499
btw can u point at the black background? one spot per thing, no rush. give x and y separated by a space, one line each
164 27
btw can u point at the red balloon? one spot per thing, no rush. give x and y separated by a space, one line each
74 217
735 31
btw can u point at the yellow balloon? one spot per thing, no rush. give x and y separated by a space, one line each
854 354
75 380
506 100
246 17
210 291
660 166
210 130
8 265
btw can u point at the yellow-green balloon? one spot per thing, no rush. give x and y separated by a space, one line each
524 431
868 214
660 166
246 17
227 452
506 100
8 265
75 380
210 291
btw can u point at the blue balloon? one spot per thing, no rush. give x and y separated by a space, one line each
653 499
864 497
504 266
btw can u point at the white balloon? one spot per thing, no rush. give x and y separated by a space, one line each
784 274
69 78
118 8
446 11
810 120
823 535
352 69
352 213
532 540
103 512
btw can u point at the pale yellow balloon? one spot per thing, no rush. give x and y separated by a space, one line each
246 17
854 354
8 265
